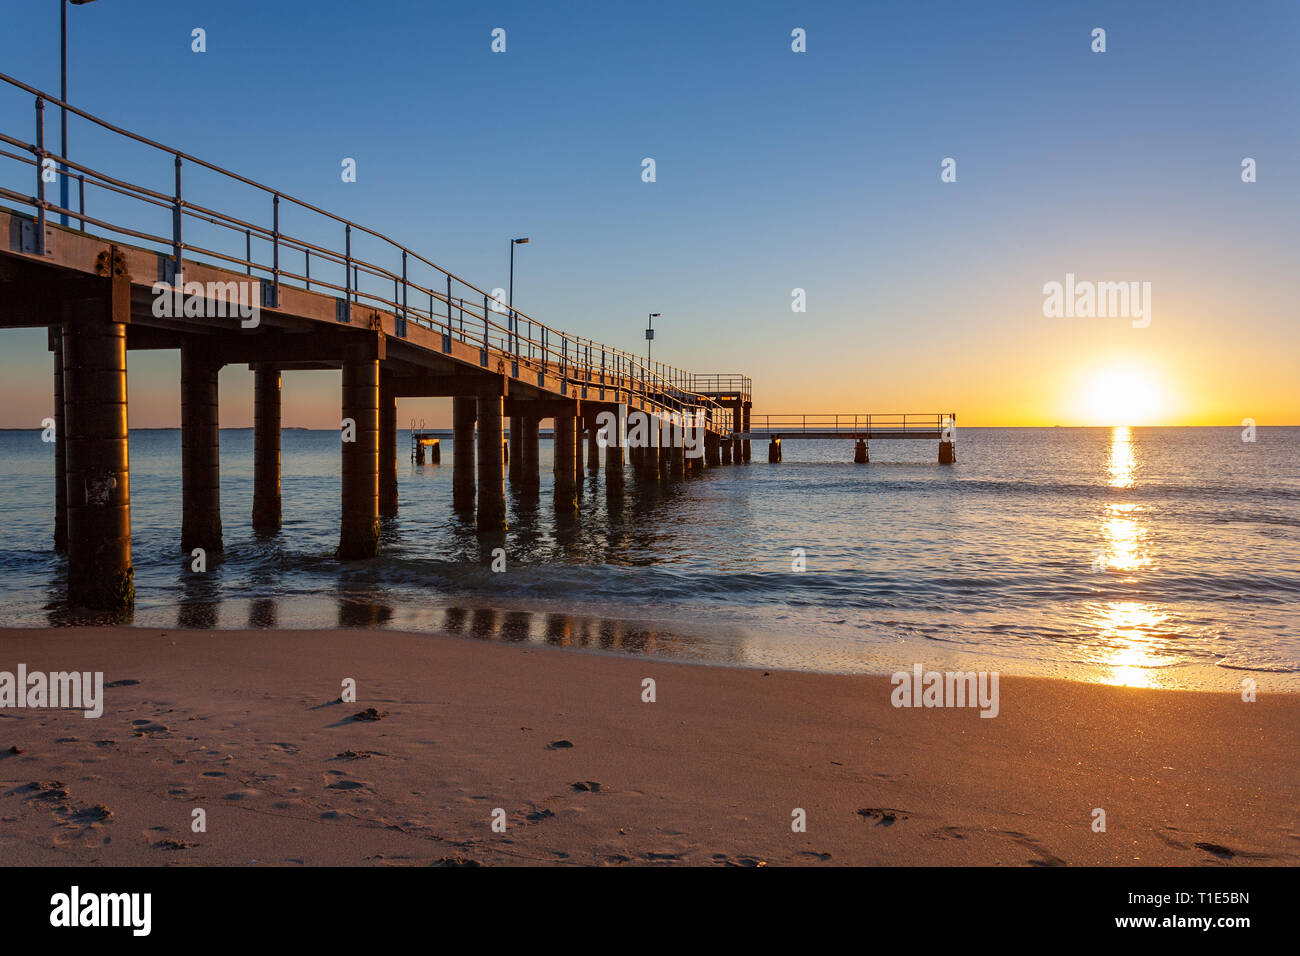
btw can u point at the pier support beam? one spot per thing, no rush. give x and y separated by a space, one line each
593 446
93 340
266 448
745 442
614 470
529 453
577 450
947 452
650 453
464 413
359 525
860 452
726 451
712 451
387 447
774 451
491 469
515 456
565 467
200 449
665 449
60 446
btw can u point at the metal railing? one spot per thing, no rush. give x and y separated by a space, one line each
721 382
422 292
849 425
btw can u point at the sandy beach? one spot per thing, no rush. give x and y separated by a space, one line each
247 726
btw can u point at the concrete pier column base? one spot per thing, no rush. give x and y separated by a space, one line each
491 515
200 450
529 453
947 452
593 447
515 457
359 518
387 447
613 470
774 451
100 573
60 446
744 417
726 452
266 448
464 413
565 467
649 471
860 452
712 451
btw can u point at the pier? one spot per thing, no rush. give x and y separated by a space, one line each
296 287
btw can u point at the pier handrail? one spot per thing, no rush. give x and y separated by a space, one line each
448 303
848 424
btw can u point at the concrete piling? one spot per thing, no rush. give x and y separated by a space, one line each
745 442
774 451
93 341
359 519
860 452
650 453
491 518
565 470
593 446
515 455
266 448
947 452
200 449
529 453
464 413
60 446
712 450
613 470
387 447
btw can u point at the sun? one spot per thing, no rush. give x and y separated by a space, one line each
1121 394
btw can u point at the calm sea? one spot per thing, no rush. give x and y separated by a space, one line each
1145 556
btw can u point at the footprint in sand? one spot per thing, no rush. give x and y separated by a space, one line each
884 816
349 785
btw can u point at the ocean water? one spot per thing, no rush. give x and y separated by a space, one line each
1147 556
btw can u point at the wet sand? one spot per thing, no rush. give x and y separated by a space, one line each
246 726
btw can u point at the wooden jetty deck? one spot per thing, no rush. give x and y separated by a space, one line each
297 287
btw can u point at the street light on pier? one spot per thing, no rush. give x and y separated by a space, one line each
650 334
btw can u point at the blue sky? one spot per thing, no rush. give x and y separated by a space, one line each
775 170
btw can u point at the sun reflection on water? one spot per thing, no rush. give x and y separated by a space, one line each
1129 648
1128 645
1123 465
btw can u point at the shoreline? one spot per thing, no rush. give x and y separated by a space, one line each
673 639
249 729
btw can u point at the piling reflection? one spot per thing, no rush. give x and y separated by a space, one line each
580 631
200 599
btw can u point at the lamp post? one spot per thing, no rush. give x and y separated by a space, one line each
650 334
510 296
63 95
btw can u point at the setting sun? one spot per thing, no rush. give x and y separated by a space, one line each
1121 395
